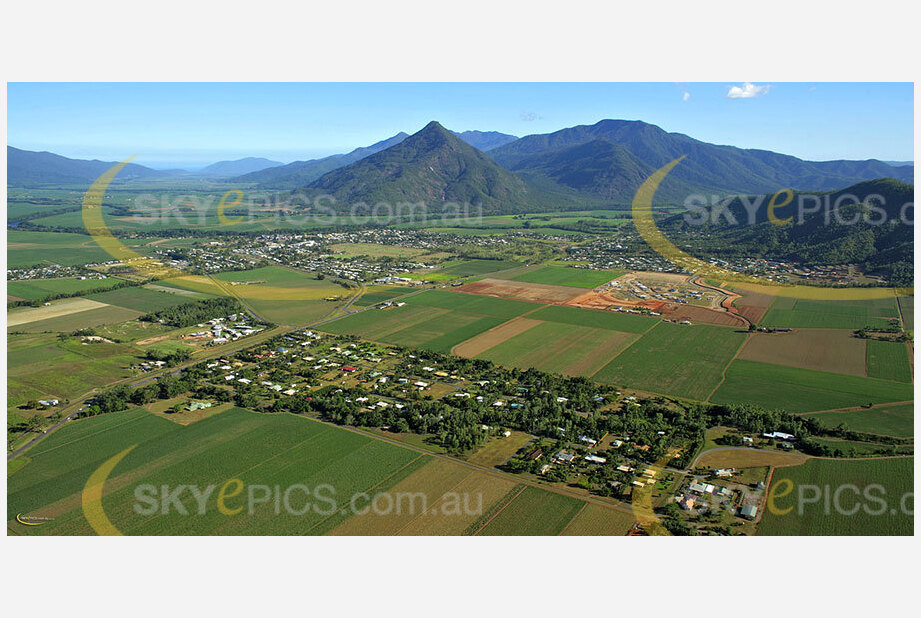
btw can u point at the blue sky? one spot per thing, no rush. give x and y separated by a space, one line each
193 124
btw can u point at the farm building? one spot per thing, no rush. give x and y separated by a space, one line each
748 511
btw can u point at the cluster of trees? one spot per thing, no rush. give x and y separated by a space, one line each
196 312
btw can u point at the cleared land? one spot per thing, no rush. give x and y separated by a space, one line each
850 314
534 292
887 481
837 351
748 458
897 420
803 390
888 360
498 450
56 309
494 336
680 360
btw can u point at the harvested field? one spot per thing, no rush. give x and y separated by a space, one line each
90 318
491 488
748 458
596 520
522 290
493 337
57 309
837 351
702 315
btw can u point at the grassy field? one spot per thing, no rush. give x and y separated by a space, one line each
140 299
907 308
596 319
266 450
41 366
887 481
574 277
559 348
65 321
852 314
681 360
35 289
595 520
466 268
888 360
533 512
897 420
373 298
803 390
26 248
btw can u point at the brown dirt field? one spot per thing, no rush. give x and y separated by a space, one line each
596 520
702 315
749 458
809 348
493 337
753 305
521 290
592 300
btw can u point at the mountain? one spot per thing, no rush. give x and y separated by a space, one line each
239 166
485 140
301 173
25 167
866 227
708 168
433 166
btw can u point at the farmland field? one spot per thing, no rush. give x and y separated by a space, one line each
533 512
265 450
888 360
803 390
686 361
597 520
475 267
34 289
67 315
25 248
596 319
564 275
892 478
140 299
896 420
470 303
851 314
837 351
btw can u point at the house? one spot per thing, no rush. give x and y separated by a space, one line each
506 433
564 457
595 459
198 405
687 502
748 512
48 402
779 435
545 468
724 473
587 440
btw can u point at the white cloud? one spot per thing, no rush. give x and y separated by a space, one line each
530 116
686 96
747 91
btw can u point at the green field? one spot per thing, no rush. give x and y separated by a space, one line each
41 366
422 326
887 481
471 303
853 314
560 348
374 298
533 513
573 277
140 299
803 390
467 268
36 289
907 309
897 420
261 450
92 318
26 248
673 359
623 322
888 360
